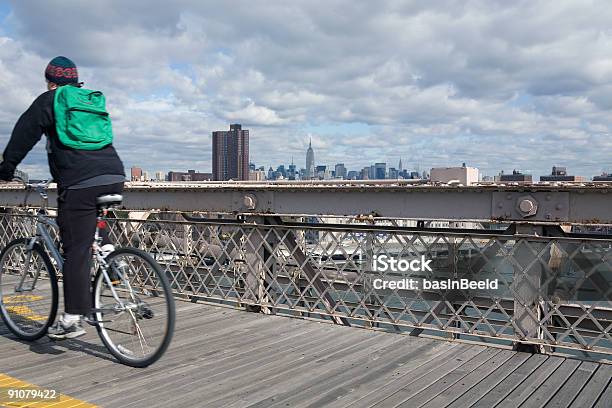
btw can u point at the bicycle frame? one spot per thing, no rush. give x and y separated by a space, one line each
41 234
43 223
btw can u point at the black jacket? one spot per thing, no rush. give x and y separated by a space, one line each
68 166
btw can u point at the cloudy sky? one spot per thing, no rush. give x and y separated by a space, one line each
495 84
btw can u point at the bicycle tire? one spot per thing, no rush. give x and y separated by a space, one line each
12 325
101 327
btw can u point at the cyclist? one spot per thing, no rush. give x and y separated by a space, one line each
81 176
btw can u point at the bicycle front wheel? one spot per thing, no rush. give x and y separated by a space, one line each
28 290
134 307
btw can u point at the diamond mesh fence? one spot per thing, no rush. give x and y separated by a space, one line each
486 284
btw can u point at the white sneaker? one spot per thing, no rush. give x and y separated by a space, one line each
106 249
66 329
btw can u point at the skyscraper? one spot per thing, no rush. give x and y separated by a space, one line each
310 161
292 170
340 171
230 154
380 171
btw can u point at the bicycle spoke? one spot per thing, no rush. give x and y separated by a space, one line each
142 330
28 290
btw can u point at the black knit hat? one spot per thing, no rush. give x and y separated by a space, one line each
62 71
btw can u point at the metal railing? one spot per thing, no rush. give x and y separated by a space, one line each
553 288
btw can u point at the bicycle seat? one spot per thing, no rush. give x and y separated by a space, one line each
109 200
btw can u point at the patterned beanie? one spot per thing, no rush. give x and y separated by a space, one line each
61 71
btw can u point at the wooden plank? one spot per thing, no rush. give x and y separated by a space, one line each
222 353
222 357
55 352
370 391
120 373
466 383
276 377
535 393
396 383
538 362
238 368
263 332
206 316
594 387
490 381
241 370
415 385
216 353
424 395
378 369
570 390
605 399
292 391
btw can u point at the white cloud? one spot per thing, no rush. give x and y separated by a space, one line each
494 83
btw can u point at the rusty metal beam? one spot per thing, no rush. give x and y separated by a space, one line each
534 203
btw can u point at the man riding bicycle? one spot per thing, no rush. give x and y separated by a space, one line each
82 174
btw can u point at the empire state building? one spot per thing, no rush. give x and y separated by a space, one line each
310 161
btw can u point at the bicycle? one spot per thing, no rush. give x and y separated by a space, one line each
130 291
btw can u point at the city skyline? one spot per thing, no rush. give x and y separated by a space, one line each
436 84
233 151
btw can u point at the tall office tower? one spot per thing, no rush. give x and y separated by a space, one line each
291 173
380 171
230 154
310 161
340 171
136 173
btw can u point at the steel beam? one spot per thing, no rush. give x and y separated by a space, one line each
535 203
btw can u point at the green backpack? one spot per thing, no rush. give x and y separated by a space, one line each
81 119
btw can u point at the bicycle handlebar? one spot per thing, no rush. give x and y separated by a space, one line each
43 185
40 188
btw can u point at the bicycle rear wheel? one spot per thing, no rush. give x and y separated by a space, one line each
138 329
28 290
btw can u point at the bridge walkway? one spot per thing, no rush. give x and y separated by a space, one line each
222 357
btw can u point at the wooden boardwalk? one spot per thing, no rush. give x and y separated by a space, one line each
222 357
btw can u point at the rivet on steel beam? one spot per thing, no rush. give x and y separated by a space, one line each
250 201
527 206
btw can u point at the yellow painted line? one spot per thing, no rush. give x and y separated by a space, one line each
26 312
64 400
20 298
14 306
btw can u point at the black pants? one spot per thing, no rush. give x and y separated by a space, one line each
77 221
